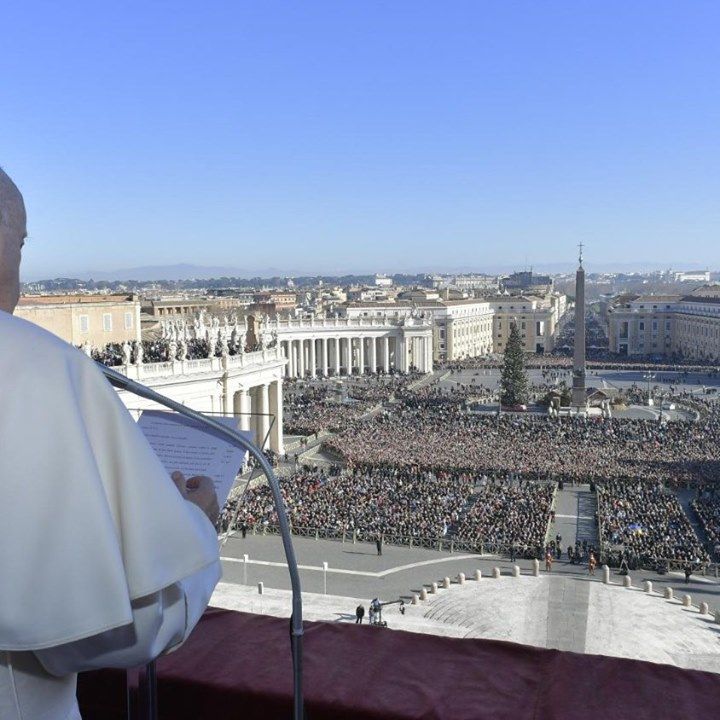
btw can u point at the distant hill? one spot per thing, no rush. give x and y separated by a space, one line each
187 271
182 271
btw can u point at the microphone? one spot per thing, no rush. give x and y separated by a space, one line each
122 382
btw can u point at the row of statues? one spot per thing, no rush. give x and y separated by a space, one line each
218 332
201 337
204 327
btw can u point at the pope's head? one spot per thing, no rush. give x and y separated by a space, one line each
13 231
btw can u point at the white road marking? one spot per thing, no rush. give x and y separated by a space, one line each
362 573
575 517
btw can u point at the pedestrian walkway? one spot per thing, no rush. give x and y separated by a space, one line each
575 515
567 614
685 497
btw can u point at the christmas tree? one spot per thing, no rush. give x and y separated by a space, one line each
513 381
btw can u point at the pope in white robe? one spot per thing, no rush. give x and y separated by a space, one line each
104 561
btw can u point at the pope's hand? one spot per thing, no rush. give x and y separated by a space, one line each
200 491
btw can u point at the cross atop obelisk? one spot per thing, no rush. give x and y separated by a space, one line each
579 394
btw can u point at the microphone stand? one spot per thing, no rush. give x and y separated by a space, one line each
122 382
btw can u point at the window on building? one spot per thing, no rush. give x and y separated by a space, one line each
107 322
641 325
84 323
128 320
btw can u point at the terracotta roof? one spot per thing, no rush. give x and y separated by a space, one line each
74 299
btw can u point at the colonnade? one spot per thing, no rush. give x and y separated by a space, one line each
325 356
257 407
355 355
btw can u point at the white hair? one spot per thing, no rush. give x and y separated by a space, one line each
8 189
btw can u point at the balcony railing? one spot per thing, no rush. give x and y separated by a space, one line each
201 365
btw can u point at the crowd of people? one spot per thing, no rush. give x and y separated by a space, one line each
445 436
423 467
153 351
594 361
314 406
707 508
311 417
645 525
403 505
395 504
508 515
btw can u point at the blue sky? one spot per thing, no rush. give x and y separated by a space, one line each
362 135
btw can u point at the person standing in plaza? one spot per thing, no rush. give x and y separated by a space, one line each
359 614
592 564
378 545
548 561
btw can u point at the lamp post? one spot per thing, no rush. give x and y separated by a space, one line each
649 376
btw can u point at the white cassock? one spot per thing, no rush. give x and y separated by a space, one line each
102 563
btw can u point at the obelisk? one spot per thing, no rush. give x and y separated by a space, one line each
579 394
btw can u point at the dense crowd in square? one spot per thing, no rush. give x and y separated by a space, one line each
645 523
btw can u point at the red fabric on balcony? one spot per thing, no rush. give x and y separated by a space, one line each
237 665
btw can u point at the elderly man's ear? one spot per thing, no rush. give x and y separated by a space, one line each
12 239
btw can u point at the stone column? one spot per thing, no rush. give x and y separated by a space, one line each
276 408
386 354
301 359
293 358
283 350
241 407
263 410
373 355
401 354
361 355
313 363
337 356
348 355
325 361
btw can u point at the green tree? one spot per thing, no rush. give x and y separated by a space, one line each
513 381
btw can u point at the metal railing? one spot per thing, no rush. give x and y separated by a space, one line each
441 544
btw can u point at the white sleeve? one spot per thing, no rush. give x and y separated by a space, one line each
161 623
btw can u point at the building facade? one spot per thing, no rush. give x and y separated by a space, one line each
249 385
538 319
686 326
474 327
353 345
527 282
702 276
697 326
642 325
460 328
94 320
